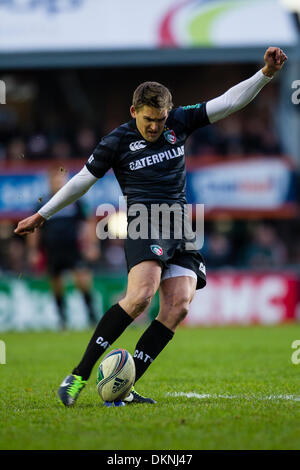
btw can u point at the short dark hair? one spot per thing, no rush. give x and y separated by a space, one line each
152 94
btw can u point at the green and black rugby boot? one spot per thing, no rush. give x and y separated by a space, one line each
70 389
135 397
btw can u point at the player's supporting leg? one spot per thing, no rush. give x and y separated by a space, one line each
57 287
143 282
175 296
83 282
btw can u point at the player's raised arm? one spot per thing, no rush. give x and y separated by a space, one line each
70 192
241 94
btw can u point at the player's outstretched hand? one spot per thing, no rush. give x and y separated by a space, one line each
28 225
274 59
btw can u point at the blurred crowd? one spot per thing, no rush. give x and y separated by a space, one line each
235 136
41 146
251 244
62 115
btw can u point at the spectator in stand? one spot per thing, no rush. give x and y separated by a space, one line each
37 147
217 250
270 143
204 141
13 257
16 256
230 137
16 150
265 250
61 150
252 135
85 142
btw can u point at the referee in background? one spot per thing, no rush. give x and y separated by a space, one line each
59 240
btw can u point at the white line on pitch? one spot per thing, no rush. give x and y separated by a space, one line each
233 397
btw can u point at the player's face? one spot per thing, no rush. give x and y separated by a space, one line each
150 121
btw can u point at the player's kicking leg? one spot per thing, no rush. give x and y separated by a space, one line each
175 295
143 282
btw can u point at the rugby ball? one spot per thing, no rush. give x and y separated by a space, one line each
116 375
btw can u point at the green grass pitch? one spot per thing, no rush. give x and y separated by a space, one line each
237 389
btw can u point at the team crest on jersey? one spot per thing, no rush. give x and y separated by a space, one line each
157 250
170 136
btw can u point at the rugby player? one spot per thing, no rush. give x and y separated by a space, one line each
147 156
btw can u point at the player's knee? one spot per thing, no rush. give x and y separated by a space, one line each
139 300
181 307
173 314
181 312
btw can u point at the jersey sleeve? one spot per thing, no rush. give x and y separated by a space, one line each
102 158
192 117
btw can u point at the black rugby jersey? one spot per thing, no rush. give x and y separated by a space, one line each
149 172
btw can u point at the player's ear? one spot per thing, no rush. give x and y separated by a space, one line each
132 111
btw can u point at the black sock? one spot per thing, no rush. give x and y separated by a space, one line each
151 343
59 299
109 328
89 304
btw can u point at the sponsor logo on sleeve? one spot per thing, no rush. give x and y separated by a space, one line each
191 106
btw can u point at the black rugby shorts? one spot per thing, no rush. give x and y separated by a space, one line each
60 260
166 252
